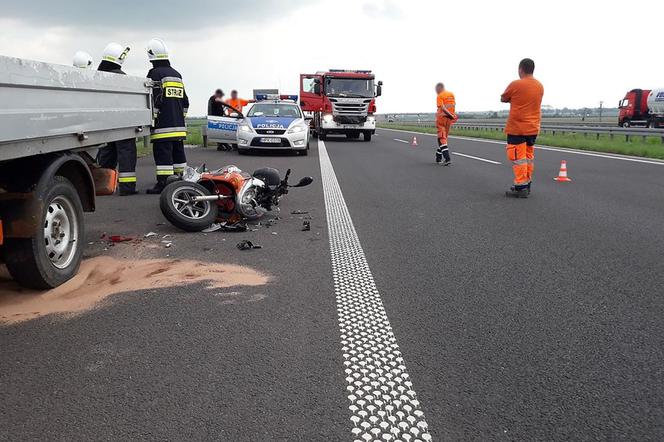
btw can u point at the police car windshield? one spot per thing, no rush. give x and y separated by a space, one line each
274 110
349 87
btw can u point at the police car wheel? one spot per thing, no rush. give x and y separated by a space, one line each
243 151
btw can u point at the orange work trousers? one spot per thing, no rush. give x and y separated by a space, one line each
443 125
521 152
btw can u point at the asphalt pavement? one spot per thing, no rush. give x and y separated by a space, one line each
537 319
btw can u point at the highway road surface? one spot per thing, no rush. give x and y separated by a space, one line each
422 305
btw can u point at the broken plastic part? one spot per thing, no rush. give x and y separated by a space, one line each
248 245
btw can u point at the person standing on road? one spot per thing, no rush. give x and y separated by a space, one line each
523 125
170 107
120 154
237 103
216 106
445 117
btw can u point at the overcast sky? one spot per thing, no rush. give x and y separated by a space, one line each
585 51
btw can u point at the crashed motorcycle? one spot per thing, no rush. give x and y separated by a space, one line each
228 195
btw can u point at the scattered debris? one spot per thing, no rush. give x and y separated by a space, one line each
269 223
248 245
120 238
274 233
149 235
213 228
91 243
227 227
168 245
299 212
166 236
306 226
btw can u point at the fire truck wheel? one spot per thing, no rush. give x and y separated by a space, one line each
367 136
53 255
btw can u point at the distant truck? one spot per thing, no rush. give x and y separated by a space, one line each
51 116
642 107
340 102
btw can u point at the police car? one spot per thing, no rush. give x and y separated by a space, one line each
274 122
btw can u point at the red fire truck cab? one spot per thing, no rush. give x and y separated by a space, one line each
340 102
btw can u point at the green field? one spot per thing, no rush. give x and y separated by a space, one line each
651 147
194 136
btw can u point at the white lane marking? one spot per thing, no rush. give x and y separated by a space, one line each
401 141
383 404
476 158
554 149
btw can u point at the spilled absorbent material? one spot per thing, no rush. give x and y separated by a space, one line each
103 276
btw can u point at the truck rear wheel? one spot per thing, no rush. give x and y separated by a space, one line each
53 255
322 136
367 135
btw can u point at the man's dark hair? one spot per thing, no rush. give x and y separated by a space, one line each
527 66
233 91
440 85
219 92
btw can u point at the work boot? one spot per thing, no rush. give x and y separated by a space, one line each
447 163
518 192
161 183
127 189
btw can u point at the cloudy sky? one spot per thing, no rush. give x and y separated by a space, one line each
586 51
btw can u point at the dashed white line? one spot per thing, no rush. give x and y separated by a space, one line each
476 158
553 149
401 141
383 404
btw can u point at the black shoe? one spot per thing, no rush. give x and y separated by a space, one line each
517 193
447 163
156 190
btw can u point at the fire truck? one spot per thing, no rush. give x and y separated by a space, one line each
340 102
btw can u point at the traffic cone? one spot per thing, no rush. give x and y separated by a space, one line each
414 143
562 175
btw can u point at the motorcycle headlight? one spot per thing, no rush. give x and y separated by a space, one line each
296 129
244 127
328 118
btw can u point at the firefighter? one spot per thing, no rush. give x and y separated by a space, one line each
445 117
170 108
237 103
82 60
119 153
523 125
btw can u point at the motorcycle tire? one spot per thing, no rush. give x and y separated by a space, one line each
190 218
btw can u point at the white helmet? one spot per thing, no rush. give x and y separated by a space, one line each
115 53
82 60
157 50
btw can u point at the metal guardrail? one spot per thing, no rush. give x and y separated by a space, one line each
628 133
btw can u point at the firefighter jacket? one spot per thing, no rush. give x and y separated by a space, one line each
170 103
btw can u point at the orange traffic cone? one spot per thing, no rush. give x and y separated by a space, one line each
562 175
414 143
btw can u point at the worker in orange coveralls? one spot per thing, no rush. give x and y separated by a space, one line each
523 126
445 117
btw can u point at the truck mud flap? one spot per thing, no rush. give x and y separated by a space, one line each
20 214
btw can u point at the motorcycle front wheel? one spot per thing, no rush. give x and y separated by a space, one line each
178 207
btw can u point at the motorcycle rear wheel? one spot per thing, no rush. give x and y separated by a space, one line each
176 205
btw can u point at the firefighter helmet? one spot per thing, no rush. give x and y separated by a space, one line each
157 50
114 53
82 60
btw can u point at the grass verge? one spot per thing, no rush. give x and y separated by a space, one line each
652 147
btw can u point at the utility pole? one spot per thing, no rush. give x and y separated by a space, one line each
601 106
